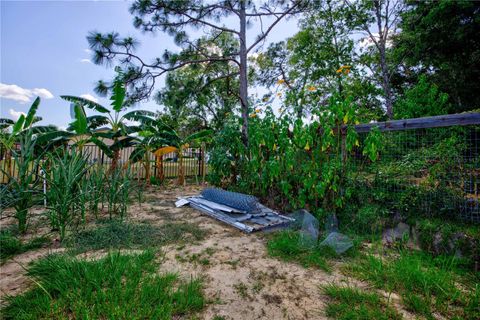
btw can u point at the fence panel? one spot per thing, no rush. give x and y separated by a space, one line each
193 161
427 165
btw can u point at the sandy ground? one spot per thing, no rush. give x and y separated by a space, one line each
241 281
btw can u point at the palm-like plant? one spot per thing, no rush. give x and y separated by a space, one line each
171 137
11 131
118 130
147 142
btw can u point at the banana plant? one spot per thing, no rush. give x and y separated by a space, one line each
172 138
147 142
11 131
118 129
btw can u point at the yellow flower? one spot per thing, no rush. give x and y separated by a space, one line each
253 115
279 94
281 81
311 88
258 110
307 146
345 69
274 146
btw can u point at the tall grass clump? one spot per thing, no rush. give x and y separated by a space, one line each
352 303
286 245
424 283
11 245
114 287
65 172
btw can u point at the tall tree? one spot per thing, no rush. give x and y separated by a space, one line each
317 61
176 17
202 94
441 39
378 20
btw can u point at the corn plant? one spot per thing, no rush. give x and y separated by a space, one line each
96 188
22 184
118 187
64 175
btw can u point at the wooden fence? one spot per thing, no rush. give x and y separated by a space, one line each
166 167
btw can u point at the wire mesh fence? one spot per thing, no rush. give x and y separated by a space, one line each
431 170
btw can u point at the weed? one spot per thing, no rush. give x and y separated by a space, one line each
242 289
11 245
352 303
117 234
420 280
233 263
286 246
257 286
115 287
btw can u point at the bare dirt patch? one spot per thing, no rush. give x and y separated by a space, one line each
240 280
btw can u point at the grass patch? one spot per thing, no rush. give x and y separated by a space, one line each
352 303
286 245
117 234
115 287
11 246
424 283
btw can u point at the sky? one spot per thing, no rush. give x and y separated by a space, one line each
44 52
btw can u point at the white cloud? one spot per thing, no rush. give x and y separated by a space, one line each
85 61
43 93
89 97
87 51
22 95
16 114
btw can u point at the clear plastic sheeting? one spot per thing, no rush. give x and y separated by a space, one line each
339 242
307 225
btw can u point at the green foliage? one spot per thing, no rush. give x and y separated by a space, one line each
10 245
422 100
369 219
117 192
116 234
21 188
115 287
433 284
286 245
439 39
291 163
352 303
64 173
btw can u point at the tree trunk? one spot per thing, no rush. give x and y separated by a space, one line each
146 162
382 43
8 164
386 84
243 72
116 155
181 173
